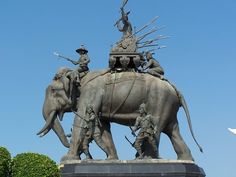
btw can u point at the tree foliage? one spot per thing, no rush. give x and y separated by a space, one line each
5 160
34 165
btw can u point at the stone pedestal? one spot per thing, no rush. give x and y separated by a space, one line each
132 168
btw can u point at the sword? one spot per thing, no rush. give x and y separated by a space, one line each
98 119
124 3
132 132
122 11
132 144
80 116
145 26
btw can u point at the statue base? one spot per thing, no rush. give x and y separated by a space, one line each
131 168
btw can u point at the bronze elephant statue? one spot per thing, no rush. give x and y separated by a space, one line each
116 97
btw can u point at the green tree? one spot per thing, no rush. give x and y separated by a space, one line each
5 160
34 165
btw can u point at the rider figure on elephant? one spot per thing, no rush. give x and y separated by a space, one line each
83 62
153 66
76 74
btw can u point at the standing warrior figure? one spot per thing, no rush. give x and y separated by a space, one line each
92 129
153 66
127 27
147 131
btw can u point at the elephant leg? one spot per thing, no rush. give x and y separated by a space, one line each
75 142
181 149
151 150
108 140
158 137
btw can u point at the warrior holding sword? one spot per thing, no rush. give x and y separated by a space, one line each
127 27
147 132
92 130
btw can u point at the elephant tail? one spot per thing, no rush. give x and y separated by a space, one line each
185 107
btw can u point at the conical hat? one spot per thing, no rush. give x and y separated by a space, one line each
82 49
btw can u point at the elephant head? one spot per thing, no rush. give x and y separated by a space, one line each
60 97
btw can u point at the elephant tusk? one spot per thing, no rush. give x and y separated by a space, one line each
61 115
46 128
43 133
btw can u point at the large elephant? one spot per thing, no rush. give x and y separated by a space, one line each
57 102
117 96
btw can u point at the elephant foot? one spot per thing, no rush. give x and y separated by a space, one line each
68 157
185 157
139 157
148 157
110 157
88 157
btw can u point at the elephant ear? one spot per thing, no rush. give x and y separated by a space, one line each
66 83
59 95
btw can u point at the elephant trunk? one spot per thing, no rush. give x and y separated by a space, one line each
57 128
53 123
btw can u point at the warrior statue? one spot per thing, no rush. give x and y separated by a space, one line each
77 74
147 131
83 60
127 27
128 41
153 66
92 132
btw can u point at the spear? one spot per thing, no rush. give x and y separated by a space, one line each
150 32
150 45
153 40
162 47
145 26
66 58
152 50
154 45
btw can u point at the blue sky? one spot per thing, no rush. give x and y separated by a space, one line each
200 60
